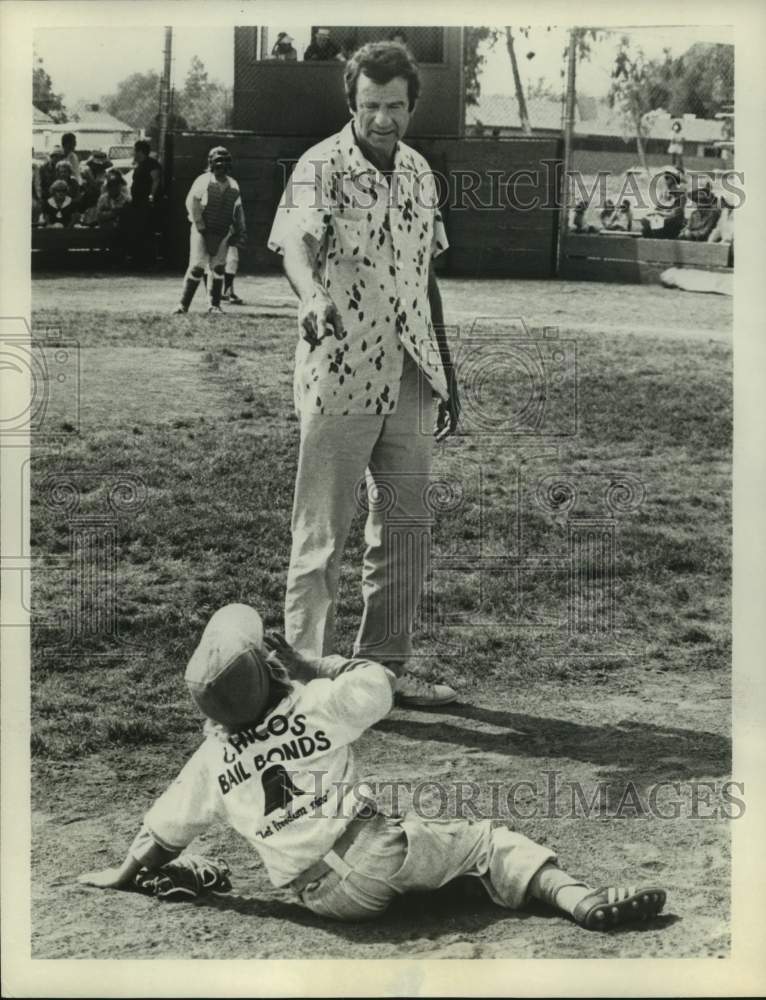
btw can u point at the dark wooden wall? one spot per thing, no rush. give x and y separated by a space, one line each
504 242
308 98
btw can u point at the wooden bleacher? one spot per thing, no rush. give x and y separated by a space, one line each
60 241
631 259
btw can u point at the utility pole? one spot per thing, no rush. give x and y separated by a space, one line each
569 120
165 96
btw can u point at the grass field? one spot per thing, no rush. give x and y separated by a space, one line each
201 412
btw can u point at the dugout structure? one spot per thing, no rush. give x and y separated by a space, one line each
499 196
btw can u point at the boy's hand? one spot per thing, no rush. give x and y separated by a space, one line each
297 666
109 878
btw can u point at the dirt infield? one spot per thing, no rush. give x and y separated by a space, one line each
201 410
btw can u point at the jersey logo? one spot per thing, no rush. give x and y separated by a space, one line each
278 789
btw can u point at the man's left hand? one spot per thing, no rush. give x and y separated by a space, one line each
449 411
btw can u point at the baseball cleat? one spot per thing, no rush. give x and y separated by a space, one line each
604 909
215 311
234 299
414 692
179 311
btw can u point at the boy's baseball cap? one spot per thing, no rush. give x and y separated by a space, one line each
227 676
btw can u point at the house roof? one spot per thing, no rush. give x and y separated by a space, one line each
93 118
40 117
592 117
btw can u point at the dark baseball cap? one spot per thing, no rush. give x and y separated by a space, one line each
228 676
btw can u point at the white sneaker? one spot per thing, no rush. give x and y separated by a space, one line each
414 692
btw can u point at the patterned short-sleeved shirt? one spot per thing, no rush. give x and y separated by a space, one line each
377 236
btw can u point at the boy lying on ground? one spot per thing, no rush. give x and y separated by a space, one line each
277 765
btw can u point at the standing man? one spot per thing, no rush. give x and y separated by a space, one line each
214 208
144 195
358 226
69 145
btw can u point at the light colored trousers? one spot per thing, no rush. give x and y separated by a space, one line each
392 856
343 459
200 257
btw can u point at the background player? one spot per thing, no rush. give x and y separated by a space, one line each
215 219
232 258
265 706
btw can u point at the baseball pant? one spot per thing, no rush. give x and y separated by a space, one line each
200 259
232 260
393 856
344 463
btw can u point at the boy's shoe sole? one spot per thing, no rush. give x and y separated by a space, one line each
613 906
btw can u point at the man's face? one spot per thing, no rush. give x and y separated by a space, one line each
382 112
219 168
139 156
322 38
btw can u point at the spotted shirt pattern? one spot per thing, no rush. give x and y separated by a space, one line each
377 236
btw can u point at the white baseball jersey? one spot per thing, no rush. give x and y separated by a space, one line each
288 784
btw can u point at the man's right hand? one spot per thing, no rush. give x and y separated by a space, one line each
318 317
200 227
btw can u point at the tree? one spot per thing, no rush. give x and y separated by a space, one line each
43 97
541 90
519 87
204 103
700 82
634 92
136 99
473 62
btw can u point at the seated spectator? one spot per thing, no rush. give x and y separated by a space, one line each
399 36
579 224
112 212
620 219
322 48
668 218
705 214
93 176
724 228
64 173
58 208
606 212
48 170
284 48
69 145
113 201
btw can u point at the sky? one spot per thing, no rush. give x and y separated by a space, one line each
85 63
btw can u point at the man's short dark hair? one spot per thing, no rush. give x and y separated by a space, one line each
68 139
382 62
142 146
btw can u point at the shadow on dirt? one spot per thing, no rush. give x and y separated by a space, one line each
461 908
627 751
